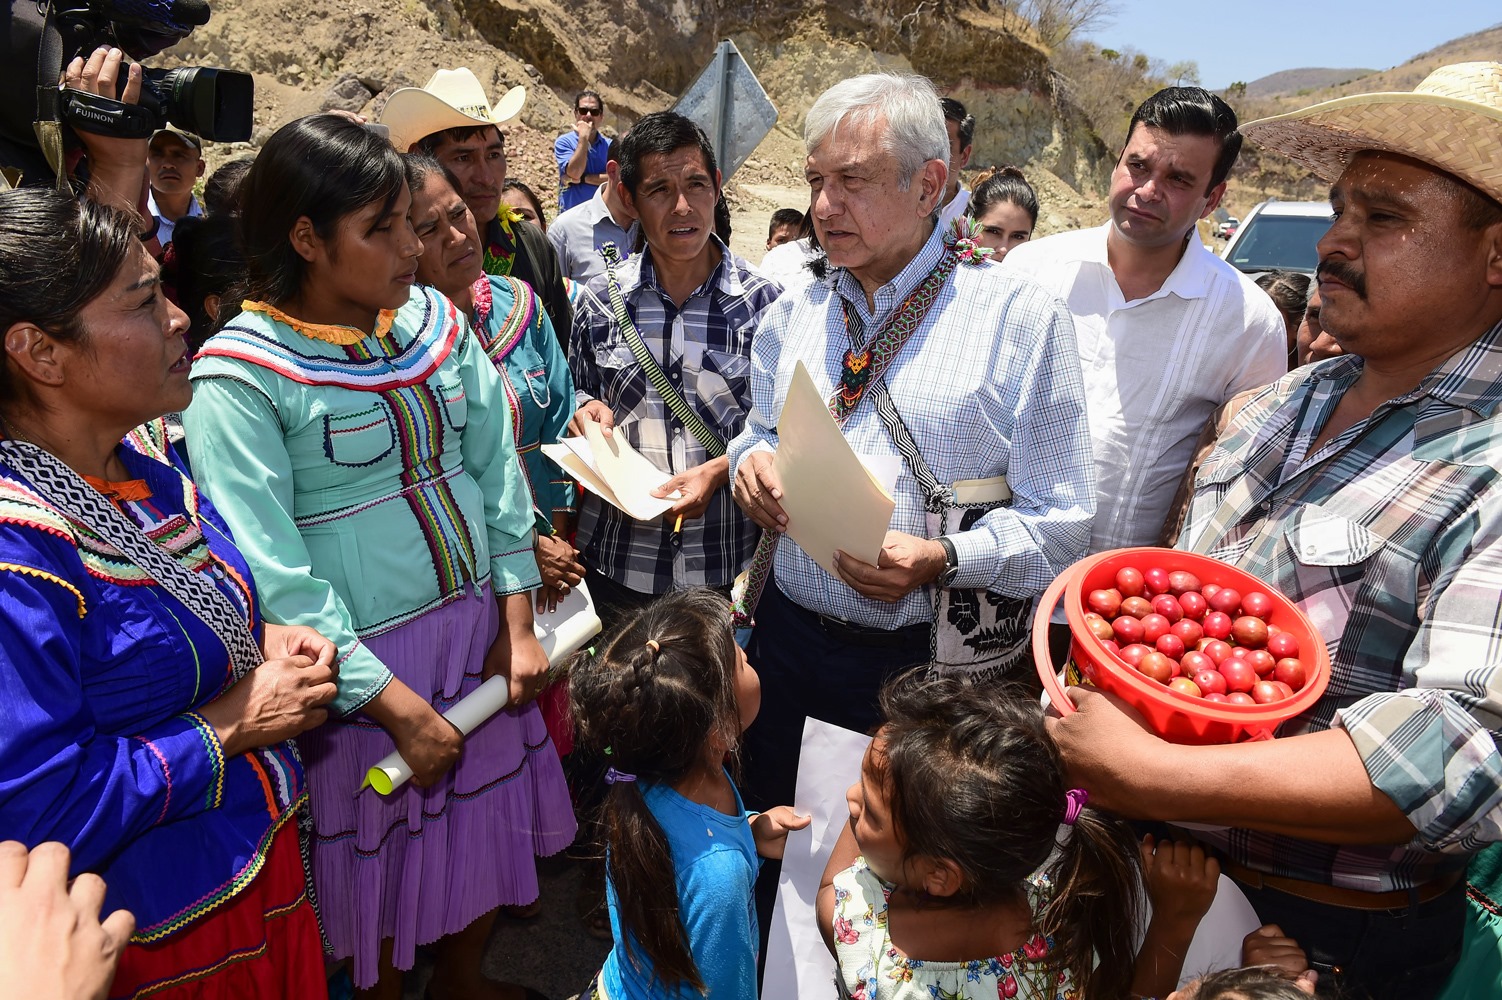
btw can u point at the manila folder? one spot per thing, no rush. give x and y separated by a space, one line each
831 501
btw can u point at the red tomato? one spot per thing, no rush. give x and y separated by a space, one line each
1127 630
1184 685
1239 674
1129 581
1257 604
1111 647
1287 691
1190 631
1182 581
1209 589
1217 625
1193 604
1282 645
1137 607
1218 651
1193 662
1105 602
1266 692
1170 646
1240 698
1100 628
1156 581
1262 661
1225 600
1155 666
1273 630
1134 652
1168 606
1250 631
1210 681
1290 671
1153 625
1212 696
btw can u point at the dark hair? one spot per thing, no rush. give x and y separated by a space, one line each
420 166
974 778
323 167
661 132
57 254
955 112
1289 291
221 192
530 195
433 142
1252 982
1193 111
722 220
784 217
613 151
206 261
581 95
651 713
1004 184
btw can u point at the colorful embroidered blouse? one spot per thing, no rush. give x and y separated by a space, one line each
518 336
872 969
101 671
368 483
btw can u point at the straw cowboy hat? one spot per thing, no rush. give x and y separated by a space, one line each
452 98
1453 121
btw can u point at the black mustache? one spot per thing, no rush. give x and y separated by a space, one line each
1344 273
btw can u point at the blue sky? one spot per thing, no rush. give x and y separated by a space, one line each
1247 39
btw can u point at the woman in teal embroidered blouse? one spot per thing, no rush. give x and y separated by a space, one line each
349 424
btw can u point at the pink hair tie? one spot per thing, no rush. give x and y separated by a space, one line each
1074 804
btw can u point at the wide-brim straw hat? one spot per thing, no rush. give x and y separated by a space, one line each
1453 121
452 98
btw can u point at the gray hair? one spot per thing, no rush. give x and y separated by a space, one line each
907 103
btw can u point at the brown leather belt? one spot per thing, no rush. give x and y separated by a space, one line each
1334 895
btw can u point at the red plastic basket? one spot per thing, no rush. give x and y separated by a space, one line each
1178 718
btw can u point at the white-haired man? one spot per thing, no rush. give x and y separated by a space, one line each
977 366
1365 488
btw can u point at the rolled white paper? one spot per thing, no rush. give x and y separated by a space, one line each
560 633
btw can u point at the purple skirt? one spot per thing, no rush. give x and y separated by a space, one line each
423 863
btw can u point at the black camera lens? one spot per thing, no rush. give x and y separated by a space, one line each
216 104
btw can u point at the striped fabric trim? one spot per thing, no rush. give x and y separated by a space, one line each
42 574
166 775
217 897
215 751
499 335
436 334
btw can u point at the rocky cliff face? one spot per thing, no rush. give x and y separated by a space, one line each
351 54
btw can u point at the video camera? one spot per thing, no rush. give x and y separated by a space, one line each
45 35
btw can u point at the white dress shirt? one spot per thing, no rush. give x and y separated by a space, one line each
1155 368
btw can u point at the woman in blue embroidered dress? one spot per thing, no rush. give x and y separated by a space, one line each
128 616
355 432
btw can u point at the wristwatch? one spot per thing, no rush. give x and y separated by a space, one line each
951 563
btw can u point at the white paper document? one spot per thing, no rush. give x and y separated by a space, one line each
798 964
561 633
613 471
831 498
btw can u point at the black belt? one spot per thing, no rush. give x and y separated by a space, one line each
854 634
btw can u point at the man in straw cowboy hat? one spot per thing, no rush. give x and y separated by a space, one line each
1365 488
452 120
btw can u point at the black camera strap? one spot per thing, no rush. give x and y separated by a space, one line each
49 121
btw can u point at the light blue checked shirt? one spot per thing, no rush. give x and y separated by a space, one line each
1390 539
988 385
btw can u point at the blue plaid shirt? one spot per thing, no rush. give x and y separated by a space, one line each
1390 539
704 349
988 385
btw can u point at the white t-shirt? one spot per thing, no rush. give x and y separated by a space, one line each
785 264
1155 368
956 208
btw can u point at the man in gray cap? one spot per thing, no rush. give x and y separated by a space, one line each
1366 489
174 162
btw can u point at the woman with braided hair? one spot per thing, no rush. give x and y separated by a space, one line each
666 703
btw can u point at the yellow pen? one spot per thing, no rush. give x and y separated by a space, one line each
678 525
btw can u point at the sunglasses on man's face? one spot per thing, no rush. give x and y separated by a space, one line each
590 111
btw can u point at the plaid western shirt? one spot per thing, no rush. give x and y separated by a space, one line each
988 385
1389 538
704 349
